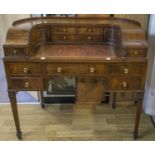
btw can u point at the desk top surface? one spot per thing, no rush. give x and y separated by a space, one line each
75 52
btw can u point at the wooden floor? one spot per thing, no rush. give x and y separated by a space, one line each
74 122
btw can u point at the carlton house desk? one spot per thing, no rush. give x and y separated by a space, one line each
108 53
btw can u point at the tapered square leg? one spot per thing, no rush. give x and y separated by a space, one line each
42 103
114 100
12 96
138 114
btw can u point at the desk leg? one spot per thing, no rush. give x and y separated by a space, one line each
114 100
12 96
42 100
138 114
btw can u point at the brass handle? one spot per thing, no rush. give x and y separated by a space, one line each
92 70
135 52
64 30
59 69
14 51
124 84
27 84
25 70
89 38
126 71
89 30
64 37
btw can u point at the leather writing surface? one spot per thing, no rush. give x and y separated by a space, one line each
76 51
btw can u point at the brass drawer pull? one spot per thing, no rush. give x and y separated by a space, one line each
64 37
124 84
92 70
126 71
136 52
59 69
14 52
25 70
64 30
27 84
89 30
89 38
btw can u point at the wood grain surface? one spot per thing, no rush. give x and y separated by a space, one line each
74 122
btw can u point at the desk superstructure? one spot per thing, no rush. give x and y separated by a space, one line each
107 53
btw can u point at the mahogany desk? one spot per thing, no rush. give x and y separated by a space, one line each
103 54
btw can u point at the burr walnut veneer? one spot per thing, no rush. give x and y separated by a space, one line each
103 54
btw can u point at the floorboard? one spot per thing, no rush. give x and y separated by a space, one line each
74 122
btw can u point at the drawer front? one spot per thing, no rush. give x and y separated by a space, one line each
90 30
63 29
128 68
60 68
26 83
24 68
89 38
63 37
88 69
121 83
15 52
136 52
93 69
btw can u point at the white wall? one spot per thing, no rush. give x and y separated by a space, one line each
5 22
149 98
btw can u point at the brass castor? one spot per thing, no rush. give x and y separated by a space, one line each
19 135
135 135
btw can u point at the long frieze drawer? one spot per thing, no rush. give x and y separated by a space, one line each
63 37
128 68
89 38
26 83
23 68
121 83
81 68
61 68
63 29
90 30
15 52
133 52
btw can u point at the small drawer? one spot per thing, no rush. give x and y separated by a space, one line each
26 83
63 29
89 38
61 68
122 83
133 52
23 68
92 69
90 30
15 52
128 68
63 37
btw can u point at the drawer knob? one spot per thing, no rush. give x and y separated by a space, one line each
92 70
126 71
25 70
64 38
14 51
59 69
27 84
89 30
89 38
135 52
124 84
64 30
